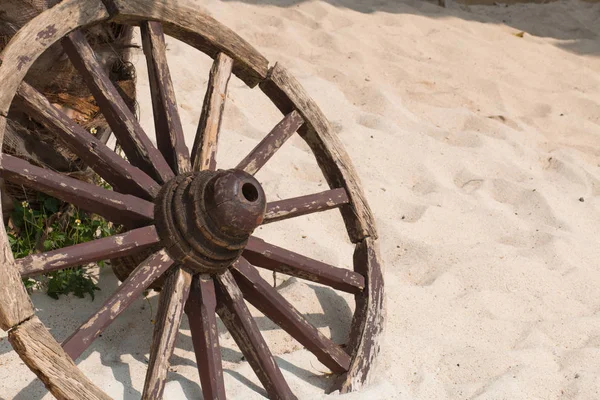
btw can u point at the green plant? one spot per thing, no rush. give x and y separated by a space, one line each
48 224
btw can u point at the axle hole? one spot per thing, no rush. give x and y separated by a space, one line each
250 192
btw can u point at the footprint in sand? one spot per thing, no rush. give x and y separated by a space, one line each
527 239
557 166
506 121
527 204
468 182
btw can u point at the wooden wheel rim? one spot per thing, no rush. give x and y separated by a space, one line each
61 376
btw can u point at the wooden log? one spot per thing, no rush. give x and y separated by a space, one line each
267 300
367 328
116 207
201 311
237 318
125 244
197 29
137 146
303 205
105 162
167 123
287 94
265 255
39 34
204 152
15 305
139 280
38 349
267 148
172 301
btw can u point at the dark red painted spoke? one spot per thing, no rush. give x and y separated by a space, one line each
237 318
137 146
119 208
201 312
274 258
290 208
204 152
139 280
169 132
259 156
122 245
113 168
268 301
173 297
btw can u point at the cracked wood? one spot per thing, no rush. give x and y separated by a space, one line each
288 95
204 152
116 207
265 255
122 245
139 280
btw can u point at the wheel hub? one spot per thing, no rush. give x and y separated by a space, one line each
204 219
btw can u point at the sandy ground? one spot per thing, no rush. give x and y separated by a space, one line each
478 152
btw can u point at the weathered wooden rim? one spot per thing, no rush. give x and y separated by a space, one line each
280 87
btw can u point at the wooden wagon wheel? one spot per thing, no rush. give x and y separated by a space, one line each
200 218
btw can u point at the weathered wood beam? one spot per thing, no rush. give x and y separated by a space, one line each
204 152
201 311
139 280
167 123
135 143
113 168
237 318
303 205
173 297
267 148
265 255
267 300
125 244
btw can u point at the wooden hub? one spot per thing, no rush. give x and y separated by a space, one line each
204 219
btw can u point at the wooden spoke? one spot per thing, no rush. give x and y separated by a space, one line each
201 312
266 299
139 280
204 152
274 258
287 94
119 208
122 245
290 208
169 132
237 318
105 162
173 297
259 156
136 144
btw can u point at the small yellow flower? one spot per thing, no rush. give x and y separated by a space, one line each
77 222
93 131
25 204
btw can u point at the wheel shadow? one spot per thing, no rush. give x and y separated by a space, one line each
125 344
575 32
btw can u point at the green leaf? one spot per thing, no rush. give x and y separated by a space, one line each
51 204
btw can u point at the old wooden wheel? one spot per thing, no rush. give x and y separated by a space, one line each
196 220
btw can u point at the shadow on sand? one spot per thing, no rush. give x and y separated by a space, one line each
577 32
130 336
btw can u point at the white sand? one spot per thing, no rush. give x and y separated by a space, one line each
474 147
